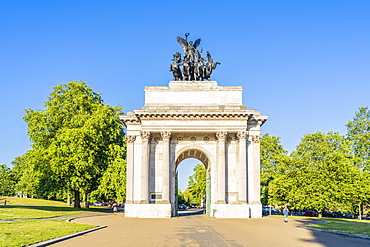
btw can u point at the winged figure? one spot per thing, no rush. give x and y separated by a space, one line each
193 67
189 48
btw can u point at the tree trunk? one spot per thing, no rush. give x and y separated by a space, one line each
359 211
77 199
68 198
84 200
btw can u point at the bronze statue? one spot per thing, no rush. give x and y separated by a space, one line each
210 66
175 67
193 65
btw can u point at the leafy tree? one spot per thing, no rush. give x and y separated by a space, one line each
74 139
358 132
272 153
321 175
112 185
26 176
197 183
6 181
180 197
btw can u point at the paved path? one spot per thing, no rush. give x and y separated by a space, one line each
200 230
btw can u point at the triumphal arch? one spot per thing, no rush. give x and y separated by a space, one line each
193 117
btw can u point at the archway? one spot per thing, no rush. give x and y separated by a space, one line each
197 155
193 120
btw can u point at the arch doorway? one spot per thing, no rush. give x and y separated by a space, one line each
190 158
199 204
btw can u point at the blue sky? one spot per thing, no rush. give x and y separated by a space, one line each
304 63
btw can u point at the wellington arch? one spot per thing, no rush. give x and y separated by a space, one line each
193 119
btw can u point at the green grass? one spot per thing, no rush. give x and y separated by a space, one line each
350 226
30 201
27 208
26 232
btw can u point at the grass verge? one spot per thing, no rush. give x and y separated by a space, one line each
356 227
23 233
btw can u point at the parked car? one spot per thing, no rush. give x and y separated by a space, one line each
327 214
97 204
266 210
193 205
182 206
310 214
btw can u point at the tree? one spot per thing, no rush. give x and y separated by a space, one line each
112 185
358 132
26 176
197 183
272 152
74 138
6 181
322 173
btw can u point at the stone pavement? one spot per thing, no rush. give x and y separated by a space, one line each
194 229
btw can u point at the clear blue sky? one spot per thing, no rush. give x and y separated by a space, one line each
304 63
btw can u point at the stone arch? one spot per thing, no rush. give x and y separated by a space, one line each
194 151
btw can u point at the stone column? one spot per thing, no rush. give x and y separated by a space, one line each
254 169
221 162
241 175
166 136
145 136
130 168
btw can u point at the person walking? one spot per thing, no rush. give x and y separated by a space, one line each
115 209
286 213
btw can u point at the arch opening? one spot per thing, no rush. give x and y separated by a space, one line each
199 204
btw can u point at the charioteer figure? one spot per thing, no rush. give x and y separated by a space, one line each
193 67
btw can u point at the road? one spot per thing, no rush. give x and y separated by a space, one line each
195 229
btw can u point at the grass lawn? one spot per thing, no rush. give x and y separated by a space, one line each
358 227
26 232
28 208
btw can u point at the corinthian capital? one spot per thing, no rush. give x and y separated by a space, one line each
130 139
166 135
242 135
145 135
256 138
221 136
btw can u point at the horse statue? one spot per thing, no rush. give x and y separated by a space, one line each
175 67
210 66
199 69
186 69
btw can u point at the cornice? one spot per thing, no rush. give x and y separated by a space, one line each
137 116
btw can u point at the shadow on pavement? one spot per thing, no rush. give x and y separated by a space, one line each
190 212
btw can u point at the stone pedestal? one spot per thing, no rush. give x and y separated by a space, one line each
193 120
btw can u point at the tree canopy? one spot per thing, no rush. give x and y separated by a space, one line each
75 139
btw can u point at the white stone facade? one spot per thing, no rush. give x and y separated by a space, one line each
193 120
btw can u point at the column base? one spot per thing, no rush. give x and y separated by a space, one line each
144 202
236 211
148 210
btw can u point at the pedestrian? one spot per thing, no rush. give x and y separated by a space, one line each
286 213
115 209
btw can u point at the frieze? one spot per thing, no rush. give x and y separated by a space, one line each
195 116
180 139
